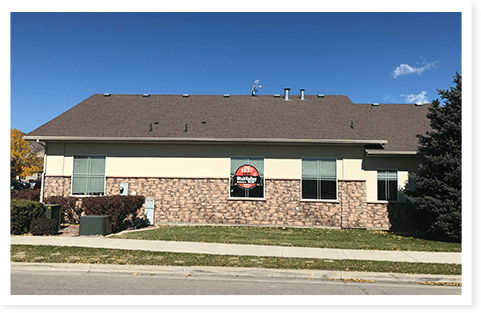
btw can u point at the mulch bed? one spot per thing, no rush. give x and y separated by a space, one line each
73 230
68 231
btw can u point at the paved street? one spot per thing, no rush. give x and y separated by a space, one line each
51 282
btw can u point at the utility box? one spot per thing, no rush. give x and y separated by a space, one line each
95 225
150 210
124 189
54 211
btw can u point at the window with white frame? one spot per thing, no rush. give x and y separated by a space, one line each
319 179
387 185
246 177
88 175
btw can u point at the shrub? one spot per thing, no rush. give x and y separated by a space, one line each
27 194
22 213
44 226
123 209
70 210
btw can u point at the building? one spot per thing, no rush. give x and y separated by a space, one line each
307 160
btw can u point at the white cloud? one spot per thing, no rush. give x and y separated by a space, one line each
404 69
418 99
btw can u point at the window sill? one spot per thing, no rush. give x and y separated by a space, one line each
247 199
320 200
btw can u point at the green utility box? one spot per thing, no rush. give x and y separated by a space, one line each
95 225
54 211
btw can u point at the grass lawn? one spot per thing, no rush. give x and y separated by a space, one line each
53 254
295 237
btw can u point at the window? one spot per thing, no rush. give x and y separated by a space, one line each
88 175
246 177
387 185
319 179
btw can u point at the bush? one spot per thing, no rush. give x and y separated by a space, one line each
27 194
70 210
123 209
22 213
44 226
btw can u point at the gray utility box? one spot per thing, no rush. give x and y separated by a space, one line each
95 225
54 211
150 210
124 189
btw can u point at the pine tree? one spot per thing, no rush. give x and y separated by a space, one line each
436 198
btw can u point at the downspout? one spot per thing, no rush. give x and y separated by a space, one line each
42 181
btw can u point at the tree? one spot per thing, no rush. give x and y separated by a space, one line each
436 198
22 161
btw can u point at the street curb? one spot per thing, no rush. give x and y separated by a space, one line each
196 271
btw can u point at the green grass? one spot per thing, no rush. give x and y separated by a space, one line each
295 237
53 254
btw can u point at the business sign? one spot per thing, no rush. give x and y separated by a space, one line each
247 177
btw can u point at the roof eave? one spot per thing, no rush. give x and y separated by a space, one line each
387 153
205 140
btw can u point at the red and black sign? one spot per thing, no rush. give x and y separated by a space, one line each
247 177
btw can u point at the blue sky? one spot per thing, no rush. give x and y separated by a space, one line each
60 59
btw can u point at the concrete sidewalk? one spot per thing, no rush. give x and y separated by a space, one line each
234 249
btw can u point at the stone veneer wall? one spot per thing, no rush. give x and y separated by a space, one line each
189 200
56 186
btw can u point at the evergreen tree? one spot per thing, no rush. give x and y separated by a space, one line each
436 198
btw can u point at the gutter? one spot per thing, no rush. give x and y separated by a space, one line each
207 140
376 152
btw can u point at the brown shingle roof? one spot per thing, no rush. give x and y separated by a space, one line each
240 116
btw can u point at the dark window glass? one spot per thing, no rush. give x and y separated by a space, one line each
309 189
236 192
381 190
256 192
328 190
392 190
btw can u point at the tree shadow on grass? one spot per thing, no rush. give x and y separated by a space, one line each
406 221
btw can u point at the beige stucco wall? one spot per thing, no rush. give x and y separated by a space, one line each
213 161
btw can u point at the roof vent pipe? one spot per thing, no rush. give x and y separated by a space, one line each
302 94
286 94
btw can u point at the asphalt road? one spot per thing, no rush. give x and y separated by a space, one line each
48 282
